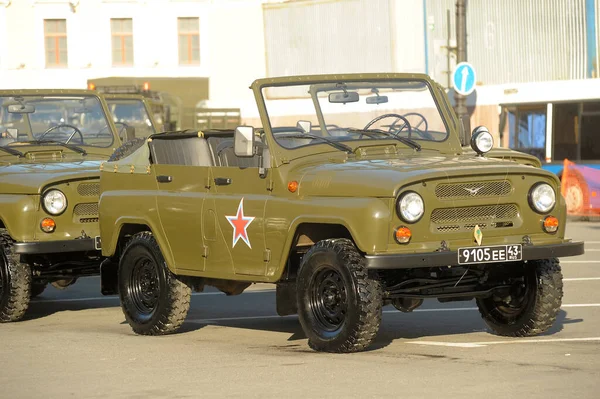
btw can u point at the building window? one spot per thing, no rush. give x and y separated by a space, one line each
55 37
188 30
121 30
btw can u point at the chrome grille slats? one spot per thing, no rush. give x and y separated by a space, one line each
88 189
454 191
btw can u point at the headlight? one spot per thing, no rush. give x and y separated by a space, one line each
542 198
481 140
410 207
54 202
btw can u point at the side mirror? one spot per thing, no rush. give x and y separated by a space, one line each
305 126
243 141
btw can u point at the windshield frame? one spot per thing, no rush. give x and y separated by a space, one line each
132 98
450 144
67 94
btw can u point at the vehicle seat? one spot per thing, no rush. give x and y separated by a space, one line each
192 151
223 154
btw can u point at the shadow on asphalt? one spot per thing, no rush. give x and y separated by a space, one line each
40 308
395 325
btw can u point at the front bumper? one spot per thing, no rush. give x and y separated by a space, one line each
54 247
450 258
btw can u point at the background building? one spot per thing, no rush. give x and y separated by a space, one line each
537 62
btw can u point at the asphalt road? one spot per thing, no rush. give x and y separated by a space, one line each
76 343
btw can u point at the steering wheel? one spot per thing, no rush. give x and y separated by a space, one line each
398 117
75 130
120 131
423 133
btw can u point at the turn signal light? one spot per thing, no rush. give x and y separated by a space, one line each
146 86
550 224
48 225
402 235
91 86
293 186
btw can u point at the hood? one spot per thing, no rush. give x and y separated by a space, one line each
385 177
31 178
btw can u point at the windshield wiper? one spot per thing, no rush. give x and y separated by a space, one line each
60 143
369 132
339 146
12 151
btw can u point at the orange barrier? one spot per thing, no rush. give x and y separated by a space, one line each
580 186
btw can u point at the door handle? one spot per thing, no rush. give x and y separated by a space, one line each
164 179
222 181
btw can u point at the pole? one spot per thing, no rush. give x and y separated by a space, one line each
461 56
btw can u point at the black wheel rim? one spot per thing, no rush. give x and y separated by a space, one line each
327 299
510 309
144 286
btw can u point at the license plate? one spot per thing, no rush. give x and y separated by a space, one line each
495 253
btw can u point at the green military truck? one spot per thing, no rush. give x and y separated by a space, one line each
51 145
354 193
132 115
166 110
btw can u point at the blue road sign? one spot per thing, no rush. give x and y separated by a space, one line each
463 78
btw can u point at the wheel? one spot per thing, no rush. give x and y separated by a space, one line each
37 288
339 303
15 282
127 149
532 307
154 300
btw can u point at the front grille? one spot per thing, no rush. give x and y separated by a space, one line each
450 220
455 191
89 189
86 209
474 213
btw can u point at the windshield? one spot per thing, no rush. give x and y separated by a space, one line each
78 120
351 111
131 113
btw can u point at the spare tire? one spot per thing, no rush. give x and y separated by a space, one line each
127 149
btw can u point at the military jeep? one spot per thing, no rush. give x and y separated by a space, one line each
354 193
51 145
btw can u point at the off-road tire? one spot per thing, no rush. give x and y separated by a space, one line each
362 292
545 297
37 288
172 296
127 149
15 280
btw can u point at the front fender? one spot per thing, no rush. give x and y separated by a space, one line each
18 213
366 219
120 208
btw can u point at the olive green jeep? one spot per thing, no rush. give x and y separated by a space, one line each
354 193
51 145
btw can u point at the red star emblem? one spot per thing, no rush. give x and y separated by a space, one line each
240 223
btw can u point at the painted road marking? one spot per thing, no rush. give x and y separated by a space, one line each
113 297
579 261
581 279
484 343
266 317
